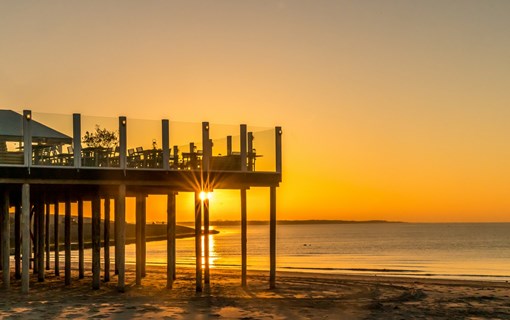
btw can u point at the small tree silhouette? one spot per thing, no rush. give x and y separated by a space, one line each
101 138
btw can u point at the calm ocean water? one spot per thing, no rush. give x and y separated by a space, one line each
461 251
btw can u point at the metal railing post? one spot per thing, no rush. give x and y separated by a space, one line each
165 138
27 138
77 140
278 147
122 142
243 147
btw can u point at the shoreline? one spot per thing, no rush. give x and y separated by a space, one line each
297 296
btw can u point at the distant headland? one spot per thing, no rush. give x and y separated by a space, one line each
292 222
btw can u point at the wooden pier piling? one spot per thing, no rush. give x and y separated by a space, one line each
207 274
144 236
272 238
120 238
198 242
67 236
17 241
138 227
244 238
25 231
170 238
39 213
96 241
47 233
106 239
56 236
5 241
81 245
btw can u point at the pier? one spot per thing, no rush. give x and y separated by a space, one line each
49 160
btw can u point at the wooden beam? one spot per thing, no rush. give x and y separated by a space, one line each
67 235
244 238
96 241
198 242
170 240
25 230
272 238
106 239
120 231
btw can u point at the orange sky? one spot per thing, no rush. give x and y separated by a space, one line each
391 110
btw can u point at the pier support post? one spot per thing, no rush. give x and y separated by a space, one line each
138 227
96 241
47 233
67 235
56 236
81 244
170 240
272 238
244 238
39 214
25 229
120 240
116 234
144 235
207 274
1 232
198 241
6 239
35 233
106 239
17 241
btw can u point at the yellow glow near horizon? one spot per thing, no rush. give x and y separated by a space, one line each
394 110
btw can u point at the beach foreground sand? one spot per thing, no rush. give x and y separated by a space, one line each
298 296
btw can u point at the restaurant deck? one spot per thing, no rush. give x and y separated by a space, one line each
50 159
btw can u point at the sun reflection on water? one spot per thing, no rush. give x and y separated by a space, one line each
213 254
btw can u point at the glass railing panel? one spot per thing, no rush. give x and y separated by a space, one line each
11 138
52 139
185 145
263 155
99 142
226 148
144 144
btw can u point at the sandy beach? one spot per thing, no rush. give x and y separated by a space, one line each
298 296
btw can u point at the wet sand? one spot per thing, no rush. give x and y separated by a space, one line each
298 296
